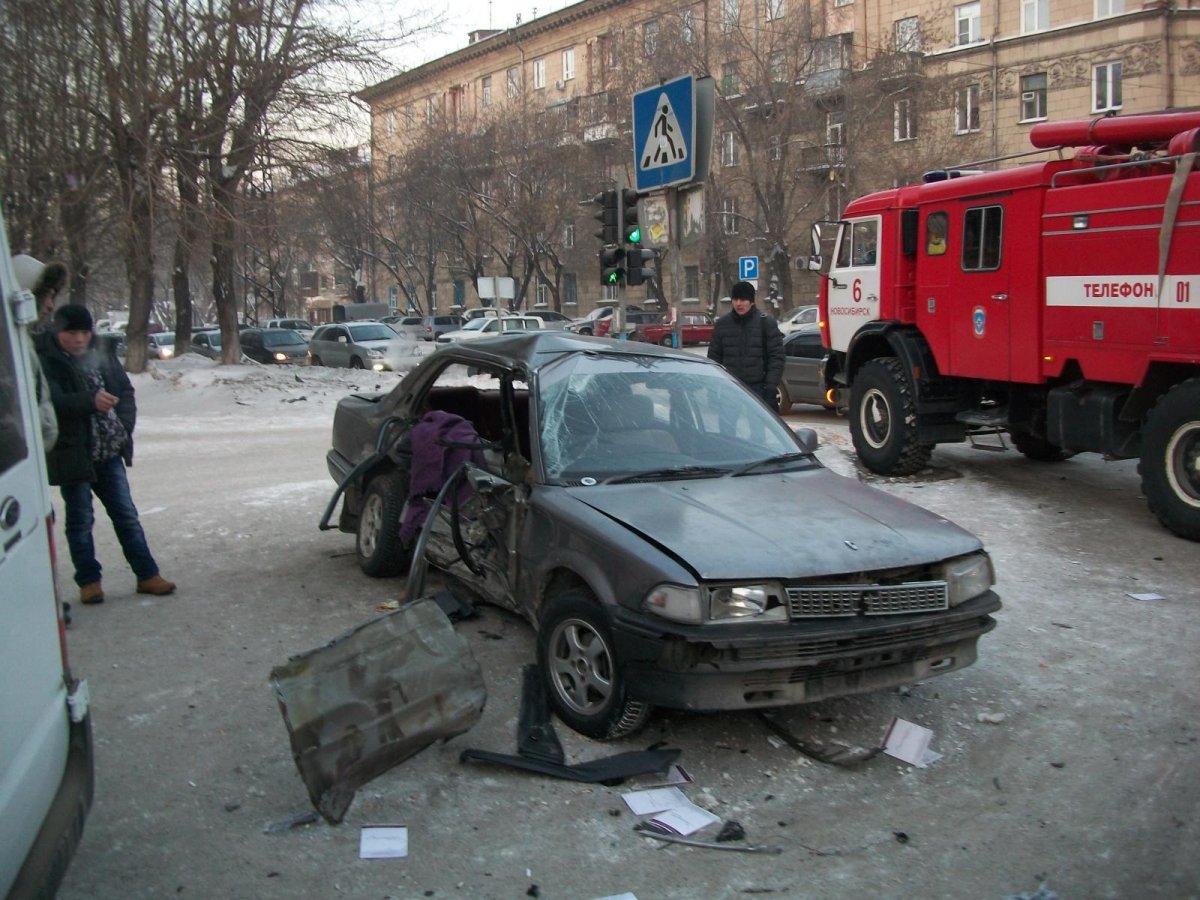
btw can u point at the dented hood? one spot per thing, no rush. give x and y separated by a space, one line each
779 525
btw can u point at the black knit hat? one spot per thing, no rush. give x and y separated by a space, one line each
72 317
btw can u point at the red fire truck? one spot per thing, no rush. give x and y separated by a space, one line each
1055 301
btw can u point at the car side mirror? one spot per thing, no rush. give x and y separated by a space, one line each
808 439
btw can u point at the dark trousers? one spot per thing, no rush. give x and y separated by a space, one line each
112 487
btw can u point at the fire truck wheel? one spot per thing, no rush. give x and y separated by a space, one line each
1038 448
883 419
1170 463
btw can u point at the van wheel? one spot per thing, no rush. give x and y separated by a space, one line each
380 551
883 419
1170 462
583 677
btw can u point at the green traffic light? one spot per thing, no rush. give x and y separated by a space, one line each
634 236
614 277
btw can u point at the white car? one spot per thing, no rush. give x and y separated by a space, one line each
489 327
486 312
799 317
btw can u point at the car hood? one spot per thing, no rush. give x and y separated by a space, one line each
380 344
779 525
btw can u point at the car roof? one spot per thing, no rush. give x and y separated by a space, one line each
534 349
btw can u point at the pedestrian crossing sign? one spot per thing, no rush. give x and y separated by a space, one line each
664 134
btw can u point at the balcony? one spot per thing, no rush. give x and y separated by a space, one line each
892 68
820 160
827 82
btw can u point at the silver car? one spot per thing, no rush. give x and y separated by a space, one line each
352 345
673 542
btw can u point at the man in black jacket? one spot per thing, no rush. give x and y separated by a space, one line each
93 398
749 344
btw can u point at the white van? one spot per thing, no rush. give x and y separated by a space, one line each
46 775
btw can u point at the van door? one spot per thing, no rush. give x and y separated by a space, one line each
854 281
980 311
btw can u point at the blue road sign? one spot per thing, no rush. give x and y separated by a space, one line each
664 134
748 268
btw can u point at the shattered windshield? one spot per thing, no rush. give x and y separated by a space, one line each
605 418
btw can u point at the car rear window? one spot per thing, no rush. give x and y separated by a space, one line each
281 338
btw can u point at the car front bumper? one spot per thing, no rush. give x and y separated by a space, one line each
756 666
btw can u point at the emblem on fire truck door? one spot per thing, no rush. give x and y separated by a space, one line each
979 321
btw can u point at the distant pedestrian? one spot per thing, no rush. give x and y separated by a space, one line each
749 344
96 415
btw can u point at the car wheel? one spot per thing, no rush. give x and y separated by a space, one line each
883 419
585 331
783 401
582 674
355 362
1170 462
316 361
668 341
380 551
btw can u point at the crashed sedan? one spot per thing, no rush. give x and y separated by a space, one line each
671 539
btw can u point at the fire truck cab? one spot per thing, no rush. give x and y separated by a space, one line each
1055 301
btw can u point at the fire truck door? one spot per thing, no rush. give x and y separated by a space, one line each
854 281
980 304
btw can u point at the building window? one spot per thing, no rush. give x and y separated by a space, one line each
430 110
1106 8
485 90
539 74
908 35
777 66
687 26
1106 87
460 293
835 128
1035 15
570 289
981 239
568 237
568 64
409 116
391 122
513 81
729 215
904 124
775 9
842 2
543 294
731 84
392 164
1033 97
829 54
729 15
729 148
691 282
968 24
650 37
966 109
774 148
608 292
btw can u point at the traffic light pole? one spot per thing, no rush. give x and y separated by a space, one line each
619 319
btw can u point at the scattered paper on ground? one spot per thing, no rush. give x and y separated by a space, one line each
909 743
1145 596
383 842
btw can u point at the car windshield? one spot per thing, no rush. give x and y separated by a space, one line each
615 417
376 332
163 339
281 338
478 324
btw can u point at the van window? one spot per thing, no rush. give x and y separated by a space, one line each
13 446
981 238
937 226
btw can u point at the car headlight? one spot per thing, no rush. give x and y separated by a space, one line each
674 602
765 602
968 576
374 354
279 357
167 352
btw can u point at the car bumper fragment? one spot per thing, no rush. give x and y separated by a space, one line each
707 668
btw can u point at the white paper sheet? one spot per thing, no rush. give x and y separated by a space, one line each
383 842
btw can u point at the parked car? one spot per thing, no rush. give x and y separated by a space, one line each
804 369
483 312
799 317
406 326
354 345
490 327
111 342
633 319
694 328
587 325
207 343
274 346
551 319
302 326
433 327
160 345
47 774
671 539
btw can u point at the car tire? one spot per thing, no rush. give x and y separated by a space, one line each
316 361
356 363
883 419
1170 460
586 331
377 544
582 675
783 400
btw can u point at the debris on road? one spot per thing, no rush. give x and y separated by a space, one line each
909 743
383 842
990 718
835 754
375 696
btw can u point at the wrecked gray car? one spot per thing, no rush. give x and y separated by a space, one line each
673 542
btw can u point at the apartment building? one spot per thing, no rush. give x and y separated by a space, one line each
483 160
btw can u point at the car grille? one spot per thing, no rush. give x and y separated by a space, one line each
835 645
825 600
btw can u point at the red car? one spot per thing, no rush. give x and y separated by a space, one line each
695 328
634 319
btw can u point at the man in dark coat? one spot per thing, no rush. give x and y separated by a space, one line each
94 401
749 344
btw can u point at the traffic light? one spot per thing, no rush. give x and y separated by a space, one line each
612 270
609 217
631 228
637 260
